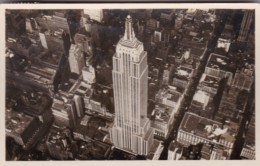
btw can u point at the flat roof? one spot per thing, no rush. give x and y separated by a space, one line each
209 81
17 122
188 70
207 128
181 77
162 113
175 146
169 94
89 127
58 138
153 149
196 52
219 62
179 53
43 103
52 58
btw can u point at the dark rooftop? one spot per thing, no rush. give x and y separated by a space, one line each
53 59
219 62
175 146
17 122
209 81
36 103
207 128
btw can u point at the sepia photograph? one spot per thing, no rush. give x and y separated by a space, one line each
129 84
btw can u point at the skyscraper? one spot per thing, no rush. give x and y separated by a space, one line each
94 14
245 25
131 130
43 40
76 59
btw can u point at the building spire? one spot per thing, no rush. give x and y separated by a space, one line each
129 31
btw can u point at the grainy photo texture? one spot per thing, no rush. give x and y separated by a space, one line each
137 84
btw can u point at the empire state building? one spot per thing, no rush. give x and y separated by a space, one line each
131 130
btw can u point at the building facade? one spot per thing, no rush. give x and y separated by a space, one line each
245 25
94 14
76 59
131 130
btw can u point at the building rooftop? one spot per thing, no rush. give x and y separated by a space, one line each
175 146
196 52
179 53
153 149
222 151
226 34
219 62
207 128
184 70
89 128
183 73
22 41
53 59
60 100
118 154
40 73
17 122
36 103
81 37
162 113
209 81
66 86
170 94
81 88
205 151
250 138
193 42
201 96
55 34
58 137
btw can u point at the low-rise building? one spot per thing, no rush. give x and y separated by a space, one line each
232 105
182 77
20 127
67 109
243 80
195 129
248 150
60 144
202 104
91 128
38 105
162 118
98 102
175 151
209 84
155 150
220 66
170 97
224 43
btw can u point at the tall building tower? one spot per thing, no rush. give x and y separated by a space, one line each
43 40
94 14
67 109
245 25
131 130
76 59
28 25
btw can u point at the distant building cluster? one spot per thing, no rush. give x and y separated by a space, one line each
139 84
